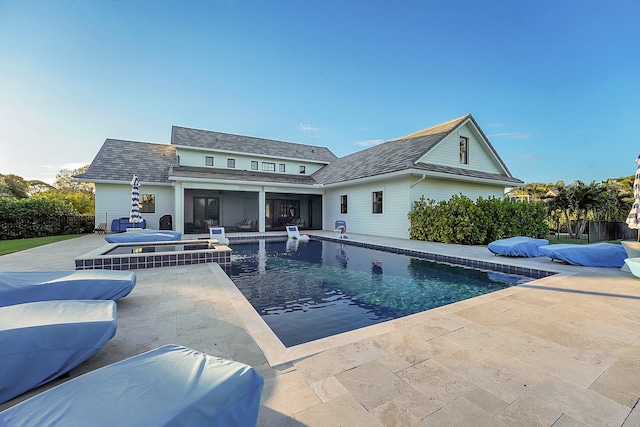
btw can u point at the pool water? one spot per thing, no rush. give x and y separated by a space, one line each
310 290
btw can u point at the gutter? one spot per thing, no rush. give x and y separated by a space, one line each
424 175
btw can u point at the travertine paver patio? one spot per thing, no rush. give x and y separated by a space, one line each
560 351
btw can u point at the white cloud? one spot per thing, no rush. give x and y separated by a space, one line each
511 135
369 142
307 128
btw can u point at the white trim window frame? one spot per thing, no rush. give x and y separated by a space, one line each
209 161
377 202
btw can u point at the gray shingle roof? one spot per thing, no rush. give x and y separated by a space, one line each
119 160
248 144
402 154
241 175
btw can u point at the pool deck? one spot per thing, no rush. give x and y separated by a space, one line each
559 351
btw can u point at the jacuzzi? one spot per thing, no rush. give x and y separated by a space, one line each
134 256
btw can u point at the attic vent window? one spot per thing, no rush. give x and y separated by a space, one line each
208 160
464 150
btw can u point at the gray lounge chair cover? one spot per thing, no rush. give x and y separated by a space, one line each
40 341
593 255
144 236
30 286
518 246
168 386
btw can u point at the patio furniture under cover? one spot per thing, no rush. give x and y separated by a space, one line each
30 286
592 255
40 341
518 246
145 235
168 386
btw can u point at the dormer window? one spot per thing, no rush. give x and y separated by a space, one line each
208 160
303 169
231 163
281 167
464 150
254 165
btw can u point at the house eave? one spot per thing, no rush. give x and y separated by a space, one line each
181 179
247 154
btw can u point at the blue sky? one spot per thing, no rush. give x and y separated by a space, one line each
555 85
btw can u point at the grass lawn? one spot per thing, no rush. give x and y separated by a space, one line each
9 246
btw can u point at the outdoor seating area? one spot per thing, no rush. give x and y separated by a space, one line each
170 385
570 338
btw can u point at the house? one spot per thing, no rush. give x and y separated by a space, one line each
206 178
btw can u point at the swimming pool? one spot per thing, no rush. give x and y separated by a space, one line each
311 290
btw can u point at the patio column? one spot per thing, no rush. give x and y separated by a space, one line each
178 204
261 208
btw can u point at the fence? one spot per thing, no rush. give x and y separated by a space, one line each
49 225
600 231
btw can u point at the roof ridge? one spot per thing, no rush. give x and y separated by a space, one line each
453 123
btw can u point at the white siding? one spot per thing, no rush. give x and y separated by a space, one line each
447 152
114 201
440 189
392 222
243 162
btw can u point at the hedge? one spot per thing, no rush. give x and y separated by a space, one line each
463 221
40 217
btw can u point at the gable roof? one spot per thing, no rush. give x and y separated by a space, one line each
403 154
197 138
239 175
119 160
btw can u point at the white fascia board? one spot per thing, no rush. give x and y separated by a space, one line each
368 179
244 153
240 182
111 181
453 177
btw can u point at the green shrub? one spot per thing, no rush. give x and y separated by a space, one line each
462 221
39 217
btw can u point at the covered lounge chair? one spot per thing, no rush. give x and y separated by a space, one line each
40 341
144 235
518 246
171 385
30 286
592 255
294 233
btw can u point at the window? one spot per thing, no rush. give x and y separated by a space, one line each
178 160
377 202
266 166
254 165
343 204
303 169
464 150
208 160
231 163
281 167
147 203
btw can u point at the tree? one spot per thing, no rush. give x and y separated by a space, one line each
36 187
13 186
65 182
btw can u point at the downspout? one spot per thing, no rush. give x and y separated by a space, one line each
418 181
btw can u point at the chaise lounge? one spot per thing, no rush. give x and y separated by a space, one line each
144 235
592 255
39 341
518 246
30 286
294 233
171 385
